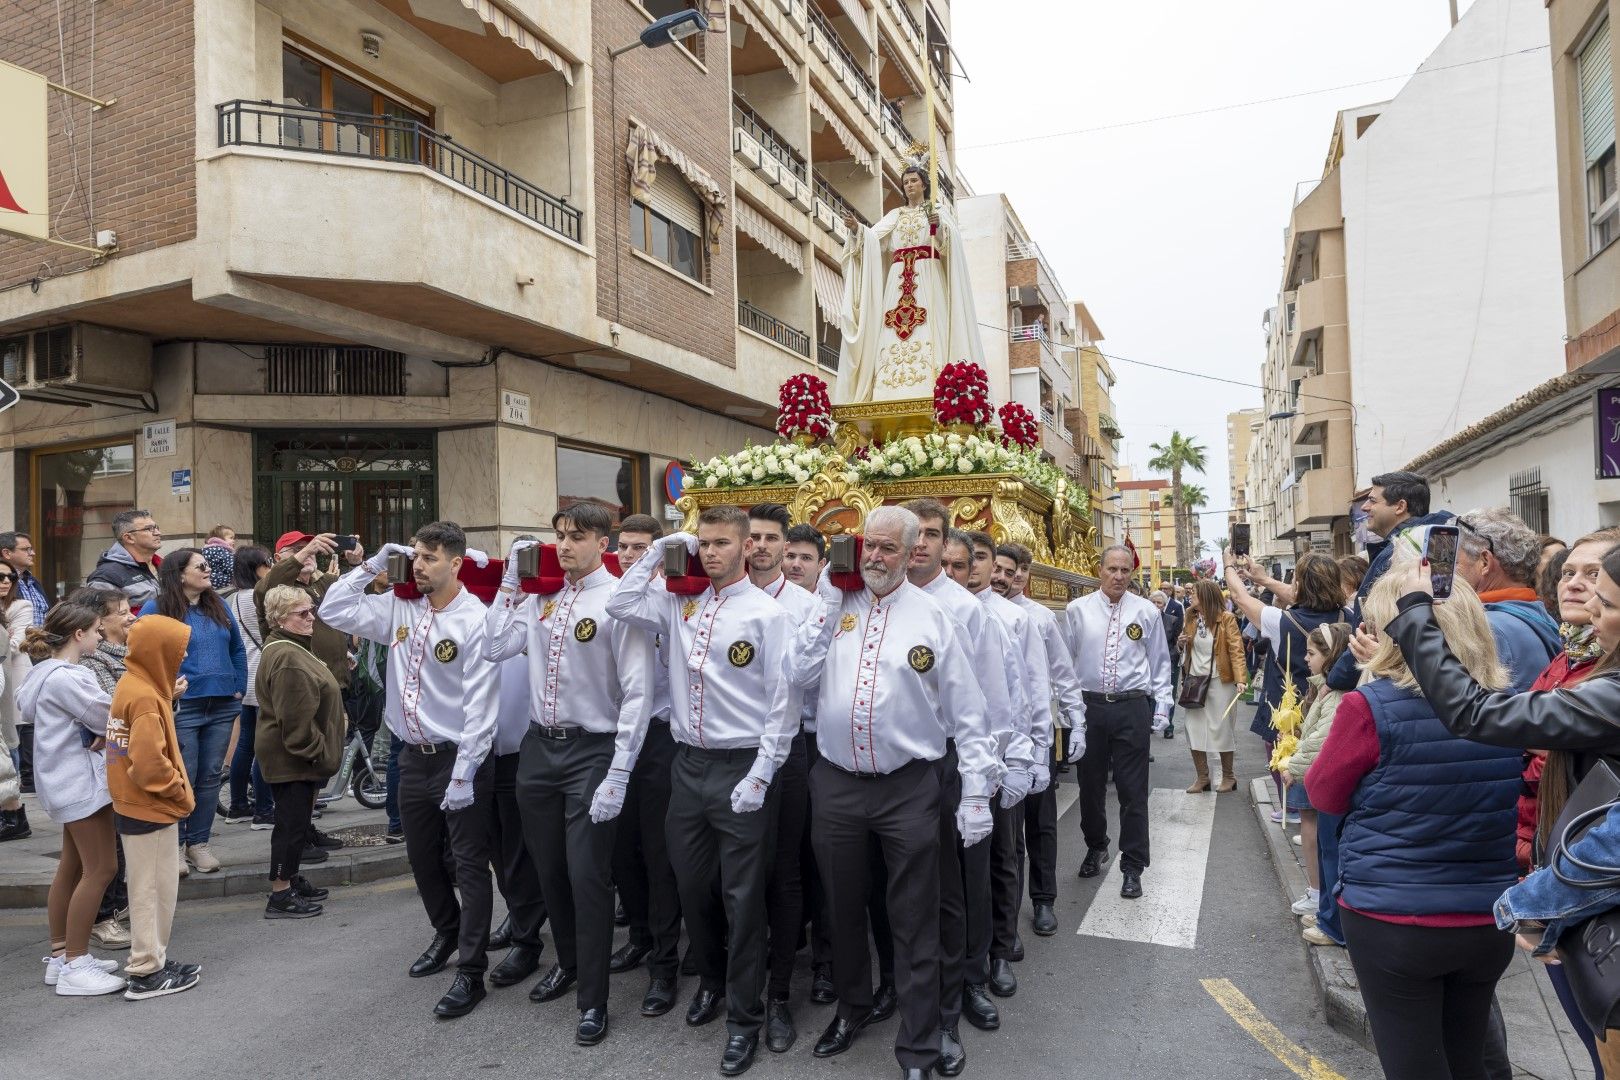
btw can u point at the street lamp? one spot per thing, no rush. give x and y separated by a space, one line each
676 27
1289 415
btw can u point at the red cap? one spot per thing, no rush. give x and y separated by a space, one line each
292 539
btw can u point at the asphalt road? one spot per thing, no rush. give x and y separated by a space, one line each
328 997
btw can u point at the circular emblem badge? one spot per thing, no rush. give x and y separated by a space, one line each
401 634
1134 631
741 653
921 659
445 651
584 630
847 622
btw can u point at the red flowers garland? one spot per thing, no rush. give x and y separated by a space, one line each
804 408
1018 425
962 395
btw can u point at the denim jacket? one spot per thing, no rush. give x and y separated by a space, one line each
1542 897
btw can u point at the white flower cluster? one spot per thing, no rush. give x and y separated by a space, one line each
778 463
935 455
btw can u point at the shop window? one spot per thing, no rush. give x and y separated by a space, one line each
610 479
77 492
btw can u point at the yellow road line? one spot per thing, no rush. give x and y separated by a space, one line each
1299 1060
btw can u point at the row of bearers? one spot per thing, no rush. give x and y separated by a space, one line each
904 712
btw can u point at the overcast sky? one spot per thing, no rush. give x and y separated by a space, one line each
1171 230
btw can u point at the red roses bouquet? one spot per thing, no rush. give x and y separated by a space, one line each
962 395
1018 425
804 408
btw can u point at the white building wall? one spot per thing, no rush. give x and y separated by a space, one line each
984 225
1451 234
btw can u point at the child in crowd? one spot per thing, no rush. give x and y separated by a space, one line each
1323 648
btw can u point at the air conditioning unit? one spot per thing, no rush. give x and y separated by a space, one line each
78 363
1022 296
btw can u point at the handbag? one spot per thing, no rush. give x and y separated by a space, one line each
1194 691
1590 950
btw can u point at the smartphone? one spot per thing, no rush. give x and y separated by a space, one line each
399 569
1440 548
346 543
1240 538
528 562
841 557
675 561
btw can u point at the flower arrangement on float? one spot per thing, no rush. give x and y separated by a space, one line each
804 410
753 466
962 395
1018 425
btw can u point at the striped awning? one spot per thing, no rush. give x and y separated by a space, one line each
846 137
508 27
768 36
829 286
769 236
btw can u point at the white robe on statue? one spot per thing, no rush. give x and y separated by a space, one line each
895 339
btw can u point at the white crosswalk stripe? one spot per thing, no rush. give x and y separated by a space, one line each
1179 828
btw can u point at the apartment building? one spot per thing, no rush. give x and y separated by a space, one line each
1270 479
1149 520
385 261
1099 441
1240 430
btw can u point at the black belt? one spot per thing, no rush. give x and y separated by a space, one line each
739 754
914 763
564 732
1093 697
431 747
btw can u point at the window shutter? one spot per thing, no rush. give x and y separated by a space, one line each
673 199
1596 71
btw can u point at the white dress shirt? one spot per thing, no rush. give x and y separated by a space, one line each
1059 664
727 662
803 607
1030 651
512 721
586 668
896 682
1120 648
440 687
994 666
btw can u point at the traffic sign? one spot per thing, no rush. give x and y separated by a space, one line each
8 396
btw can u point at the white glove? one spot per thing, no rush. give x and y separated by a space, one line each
748 795
1077 743
687 539
973 819
1014 786
609 797
1160 722
379 560
1040 777
480 558
509 574
458 796
828 593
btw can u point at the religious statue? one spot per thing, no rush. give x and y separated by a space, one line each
908 308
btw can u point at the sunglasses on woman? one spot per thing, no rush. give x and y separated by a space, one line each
9 577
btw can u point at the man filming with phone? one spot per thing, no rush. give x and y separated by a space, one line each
299 557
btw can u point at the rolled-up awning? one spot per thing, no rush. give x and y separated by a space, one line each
857 15
768 36
846 138
829 286
769 236
508 27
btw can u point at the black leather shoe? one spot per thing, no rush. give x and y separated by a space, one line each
739 1054
521 962
822 991
705 1008
780 1033
1095 860
620 918
592 1026
660 997
1016 954
501 937
952 1055
840 1034
553 985
978 1008
1003 983
437 955
884 1002
1132 889
466 992
913 1074
300 885
1045 921
628 958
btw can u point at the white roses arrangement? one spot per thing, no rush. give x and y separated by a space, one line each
753 466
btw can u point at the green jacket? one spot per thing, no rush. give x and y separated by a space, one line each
331 646
299 735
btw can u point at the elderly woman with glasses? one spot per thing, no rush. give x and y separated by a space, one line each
298 742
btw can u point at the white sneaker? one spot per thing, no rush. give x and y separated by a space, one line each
1307 903
110 934
1299 841
54 965
201 859
87 977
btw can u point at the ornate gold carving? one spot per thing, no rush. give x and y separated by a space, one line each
690 509
827 487
965 512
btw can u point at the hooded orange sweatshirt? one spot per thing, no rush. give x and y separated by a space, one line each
145 773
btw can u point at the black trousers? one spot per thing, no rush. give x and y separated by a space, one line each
25 756
295 807
953 922
815 898
116 898
1037 838
641 868
1428 992
450 853
572 854
515 874
877 896
709 842
784 895
1006 877
1118 735
901 811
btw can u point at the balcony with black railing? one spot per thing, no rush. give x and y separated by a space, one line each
769 326
893 115
819 21
774 144
827 355
400 139
825 192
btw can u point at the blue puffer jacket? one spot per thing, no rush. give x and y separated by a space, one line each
1431 829
1526 639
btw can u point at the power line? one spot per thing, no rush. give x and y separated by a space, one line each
1244 104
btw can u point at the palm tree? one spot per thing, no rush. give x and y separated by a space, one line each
1180 452
1193 496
